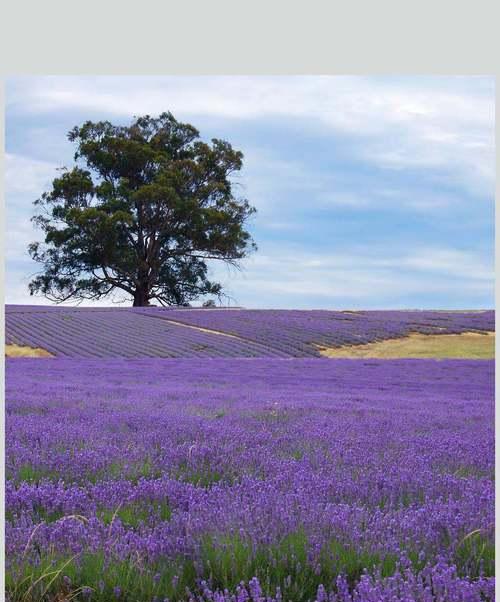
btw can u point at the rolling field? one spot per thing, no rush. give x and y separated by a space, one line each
167 332
265 473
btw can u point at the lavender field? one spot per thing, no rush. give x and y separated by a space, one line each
251 479
168 332
163 443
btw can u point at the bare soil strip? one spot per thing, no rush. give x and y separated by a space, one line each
212 331
21 351
468 345
209 330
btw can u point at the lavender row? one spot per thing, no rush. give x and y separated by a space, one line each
298 333
121 333
326 464
153 332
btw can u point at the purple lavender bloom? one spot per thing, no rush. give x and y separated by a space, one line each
170 332
384 463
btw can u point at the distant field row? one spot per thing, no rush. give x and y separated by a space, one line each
171 332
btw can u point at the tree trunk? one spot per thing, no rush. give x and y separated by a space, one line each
141 297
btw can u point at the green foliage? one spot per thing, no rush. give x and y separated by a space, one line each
475 555
201 475
229 560
65 579
133 514
141 212
33 474
225 562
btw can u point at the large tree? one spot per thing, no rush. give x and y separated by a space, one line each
141 211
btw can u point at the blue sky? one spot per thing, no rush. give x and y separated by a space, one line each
372 192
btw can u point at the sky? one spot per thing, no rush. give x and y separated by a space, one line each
371 192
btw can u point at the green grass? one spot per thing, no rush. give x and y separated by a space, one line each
144 470
114 470
34 474
132 515
64 579
202 475
476 554
473 471
228 561
225 561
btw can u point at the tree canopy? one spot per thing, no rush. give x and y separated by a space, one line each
142 211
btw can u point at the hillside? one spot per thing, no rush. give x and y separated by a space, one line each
173 332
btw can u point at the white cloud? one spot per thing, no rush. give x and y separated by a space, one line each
25 180
287 276
441 124
26 175
368 277
17 239
451 262
16 292
269 180
405 122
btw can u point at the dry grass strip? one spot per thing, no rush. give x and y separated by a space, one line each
22 351
468 345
